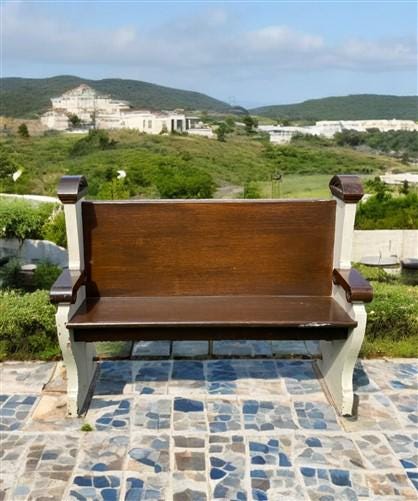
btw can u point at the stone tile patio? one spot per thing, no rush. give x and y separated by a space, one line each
189 430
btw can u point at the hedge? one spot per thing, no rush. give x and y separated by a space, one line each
27 326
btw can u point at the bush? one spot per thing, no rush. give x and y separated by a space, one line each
27 326
393 313
54 229
383 211
45 275
10 275
21 219
392 322
95 140
23 131
252 190
184 182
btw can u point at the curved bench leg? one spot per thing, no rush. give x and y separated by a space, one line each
78 359
338 360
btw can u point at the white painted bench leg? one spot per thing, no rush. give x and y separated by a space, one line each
338 360
78 359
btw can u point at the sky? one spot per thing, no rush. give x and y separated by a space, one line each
246 53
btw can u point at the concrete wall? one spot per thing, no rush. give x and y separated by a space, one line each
33 251
400 243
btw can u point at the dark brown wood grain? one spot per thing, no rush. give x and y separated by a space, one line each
357 288
208 248
172 333
211 311
71 189
347 188
66 286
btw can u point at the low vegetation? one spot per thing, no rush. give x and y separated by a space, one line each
386 211
392 323
198 165
27 326
395 141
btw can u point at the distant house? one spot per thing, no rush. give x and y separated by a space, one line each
101 111
327 128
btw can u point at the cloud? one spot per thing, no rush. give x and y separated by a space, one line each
207 42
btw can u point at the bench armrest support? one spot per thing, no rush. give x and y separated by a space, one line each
357 288
66 286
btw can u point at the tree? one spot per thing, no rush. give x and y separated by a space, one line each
74 120
221 131
404 189
23 131
250 124
251 190
405 158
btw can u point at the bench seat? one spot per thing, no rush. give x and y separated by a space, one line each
103 318
211 270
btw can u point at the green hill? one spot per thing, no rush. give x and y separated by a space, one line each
353 107
29 97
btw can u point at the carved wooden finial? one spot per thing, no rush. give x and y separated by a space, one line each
346 187
72 188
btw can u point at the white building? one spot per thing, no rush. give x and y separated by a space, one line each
101 111
328 128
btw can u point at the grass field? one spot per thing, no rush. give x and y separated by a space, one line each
297 186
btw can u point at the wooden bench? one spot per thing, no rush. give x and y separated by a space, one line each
211 269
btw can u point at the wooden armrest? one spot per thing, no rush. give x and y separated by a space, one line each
356 287
66 286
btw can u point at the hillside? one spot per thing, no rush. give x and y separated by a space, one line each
185 162
29 97
353 107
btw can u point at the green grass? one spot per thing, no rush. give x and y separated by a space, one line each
296 186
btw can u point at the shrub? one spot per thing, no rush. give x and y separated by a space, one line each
54 229
23 131
184 182
96 139
393 313
252 190
27 326
383 211
10 275
45 275
113 190
392 322
21 219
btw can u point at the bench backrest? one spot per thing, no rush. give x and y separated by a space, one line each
209 248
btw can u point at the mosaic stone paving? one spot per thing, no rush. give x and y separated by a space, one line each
218 429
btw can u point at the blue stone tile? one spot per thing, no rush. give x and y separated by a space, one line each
313 442
187 405
340 477
216 473
83 481
188 370
413 477
307 472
